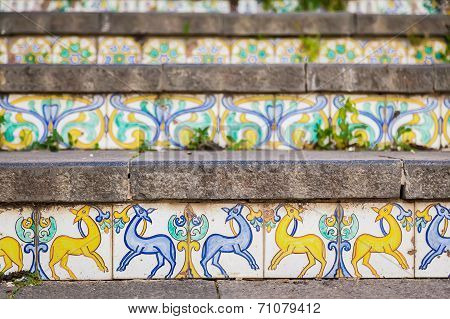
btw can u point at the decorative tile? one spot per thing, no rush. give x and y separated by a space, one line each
21 5
279 6
118 50
97 5
208 50
129 5
249 118
420 114
32 118
382 241
174 5
370 122
146 5
247 6
292 51
61 5
3 51
75 50
342 50
220 6
17 234
29 50
296 118
427 7
386 51
297 243
164 50
432 239
391 7
445 113
427 51
78 242
252 51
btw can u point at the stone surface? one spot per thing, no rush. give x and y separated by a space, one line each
234 78
442 78
73 176
263 175
369 78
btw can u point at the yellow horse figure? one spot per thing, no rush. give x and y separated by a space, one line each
311 245
11 252
65 246
367 244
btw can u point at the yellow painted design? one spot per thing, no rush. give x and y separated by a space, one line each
11 252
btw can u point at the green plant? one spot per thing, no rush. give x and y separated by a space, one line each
200 140
144 146
236 145
20 279
72 141
2 122
312 47
398 143
51 143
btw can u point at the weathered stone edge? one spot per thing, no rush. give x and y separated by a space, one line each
215 24
188 78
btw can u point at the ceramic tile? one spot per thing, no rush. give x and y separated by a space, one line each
427 7
296 118
445 114
17 235
185 113
208 50
369 125
249 119
418 113
427 51
247 6
61 6
128 5
386 51
432 239
174 6
146 5
118 50
98 6
220 6
29 50
342 50
296 241
134 120
75 50
392 7
252 51
293 51
164 50
79 242
278 6
3 51
382 243
22 5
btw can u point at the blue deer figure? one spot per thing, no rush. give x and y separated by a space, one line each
217 244
159 245
436 241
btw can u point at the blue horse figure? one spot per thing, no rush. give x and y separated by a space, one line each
437 242
160 245
216 244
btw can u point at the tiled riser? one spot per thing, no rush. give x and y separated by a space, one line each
265 121
127 50
330 240
223 6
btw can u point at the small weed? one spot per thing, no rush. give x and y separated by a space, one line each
51 143
72 141
236 145
20 280
201 141
311 46
2 122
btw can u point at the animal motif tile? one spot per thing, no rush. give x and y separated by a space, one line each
252 51
118 50
386 51
413 120
383 244
341 50
427 51
78 242
432 239
297 117
208 50
220 6
297 242
3 51
445 114
247 119
75 50
368 125
293 51
17 240
29 50
163 50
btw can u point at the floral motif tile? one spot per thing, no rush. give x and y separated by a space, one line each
379 240
432 239
278 6
129 5
17 236
296 118
78 242
173 6
252 51
61 6
427 51
386 51
445 113
249 119
293 51
418 118
164 50
391 6
29 50
426 7
146 5
3 51
220 6
118 50
79 120
369 126
297 241
21 5
247 6
208 50
342 50
75 50
97 5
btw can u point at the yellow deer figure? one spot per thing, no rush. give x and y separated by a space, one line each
310 244
65 246
367 244
11 252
